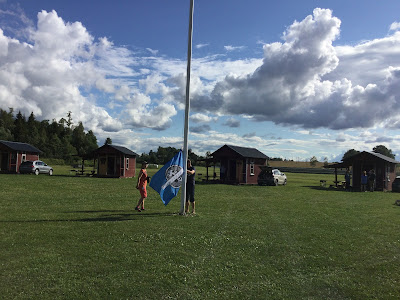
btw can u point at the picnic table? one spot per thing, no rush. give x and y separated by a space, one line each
82 172
339 184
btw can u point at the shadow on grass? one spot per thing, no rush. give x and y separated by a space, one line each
117 217
328 189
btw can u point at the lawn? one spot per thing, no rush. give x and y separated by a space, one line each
67 237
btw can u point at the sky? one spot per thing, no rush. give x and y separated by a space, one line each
294 79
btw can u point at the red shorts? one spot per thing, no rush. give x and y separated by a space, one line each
143 191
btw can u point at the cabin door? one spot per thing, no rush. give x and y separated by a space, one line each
111 166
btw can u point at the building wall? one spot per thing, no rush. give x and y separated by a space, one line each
392 175
131 171
237 171
28 156
252 179
114 165
10 161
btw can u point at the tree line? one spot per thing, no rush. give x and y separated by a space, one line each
381 149
56 139
165 154
63 139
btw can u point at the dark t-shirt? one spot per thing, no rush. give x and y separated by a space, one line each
190 177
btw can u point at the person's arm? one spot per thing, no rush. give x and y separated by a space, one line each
138 180
191 172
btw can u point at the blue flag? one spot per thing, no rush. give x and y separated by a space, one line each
168 179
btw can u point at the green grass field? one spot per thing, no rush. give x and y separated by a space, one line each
66 237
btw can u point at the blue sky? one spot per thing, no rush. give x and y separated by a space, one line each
293 78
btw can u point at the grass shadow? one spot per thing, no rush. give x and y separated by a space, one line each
117 217
330 189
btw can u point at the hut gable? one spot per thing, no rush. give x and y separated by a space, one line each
371 155
20 147
240 151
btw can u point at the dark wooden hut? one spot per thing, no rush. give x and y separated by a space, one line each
238 165
383 166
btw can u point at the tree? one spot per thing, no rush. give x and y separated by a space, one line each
91 142
32 125
383 150
349 153
20 130
69 120
5 134
108 141
326 161
78 139
313 161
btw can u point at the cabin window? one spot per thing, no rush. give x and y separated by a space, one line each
251 168
127 163
23 157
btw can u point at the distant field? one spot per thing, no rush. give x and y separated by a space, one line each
66 237
295 164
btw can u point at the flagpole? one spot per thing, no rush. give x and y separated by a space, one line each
187 109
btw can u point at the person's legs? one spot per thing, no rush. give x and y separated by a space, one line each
143 195
189 198
139 204
193 208
142 206
192 200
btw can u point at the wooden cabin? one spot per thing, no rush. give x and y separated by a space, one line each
115 161
12 154
239 165
383 166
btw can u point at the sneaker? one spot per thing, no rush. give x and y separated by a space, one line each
142 208
138 209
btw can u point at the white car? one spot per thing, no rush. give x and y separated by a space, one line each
36 167
279 177
269 176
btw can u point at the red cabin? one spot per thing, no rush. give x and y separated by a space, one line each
239 165
115 161
12 154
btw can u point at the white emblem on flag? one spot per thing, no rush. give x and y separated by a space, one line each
174 176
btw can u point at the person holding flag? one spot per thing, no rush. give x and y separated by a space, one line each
168 179
141 186
190 187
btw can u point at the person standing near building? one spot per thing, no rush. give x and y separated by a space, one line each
190 183
371 180
141 186
364 181
347 179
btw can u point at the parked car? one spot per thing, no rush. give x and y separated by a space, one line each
396 184
269 176
36 167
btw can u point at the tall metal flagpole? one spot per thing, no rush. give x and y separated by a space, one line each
187 109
